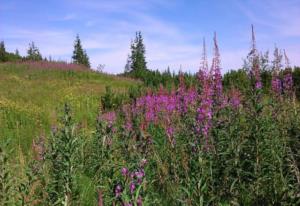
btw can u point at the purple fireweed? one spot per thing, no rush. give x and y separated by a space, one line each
258 85
54 65
181 91
204 111
211 82
288 83
132 187
128 117
109 117
118 190
170 131
139 174
254 60
139 201
234 98
276 85
171 104
216 72
276 81
124 171
150 113
190 98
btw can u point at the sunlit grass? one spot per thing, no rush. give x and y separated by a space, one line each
30 99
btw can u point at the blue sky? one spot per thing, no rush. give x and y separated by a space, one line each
173 30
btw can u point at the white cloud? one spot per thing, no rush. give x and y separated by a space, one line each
283 16
57 43
110 25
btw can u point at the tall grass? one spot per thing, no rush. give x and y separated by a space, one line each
30 97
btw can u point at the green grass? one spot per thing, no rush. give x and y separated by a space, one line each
31 98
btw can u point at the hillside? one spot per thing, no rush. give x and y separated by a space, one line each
31 96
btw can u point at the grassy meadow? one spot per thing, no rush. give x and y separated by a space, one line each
71 136
32 97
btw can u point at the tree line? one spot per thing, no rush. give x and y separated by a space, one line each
136 66
33 54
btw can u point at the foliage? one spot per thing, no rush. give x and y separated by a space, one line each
79 55
237 79
110 100
136 62
32 92
33 53
8 56
2 52
203 140
6 179
62 159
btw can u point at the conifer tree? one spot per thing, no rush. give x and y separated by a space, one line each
2 52
139 60
136 62
33 53
79 55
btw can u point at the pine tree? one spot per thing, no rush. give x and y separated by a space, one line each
79 55
86 60
2 52
139 60
136 62
33 53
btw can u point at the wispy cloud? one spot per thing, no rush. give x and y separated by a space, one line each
283 16
107 27
57 43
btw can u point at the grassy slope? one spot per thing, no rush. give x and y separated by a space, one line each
31 98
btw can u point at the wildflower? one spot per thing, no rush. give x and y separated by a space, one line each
235 98
139 201
127 113
149 107
276 85
118 190
216 72
170 131
288 83
204 111
132 175
124 171
140 174
276 82
109 117
254 59
132 187
258 85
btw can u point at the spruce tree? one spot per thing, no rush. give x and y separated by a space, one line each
79 55
2 52
136 62
139 60
33 53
